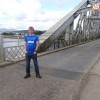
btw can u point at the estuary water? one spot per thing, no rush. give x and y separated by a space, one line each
12 42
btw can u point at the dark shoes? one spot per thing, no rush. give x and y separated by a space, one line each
27 76
38 76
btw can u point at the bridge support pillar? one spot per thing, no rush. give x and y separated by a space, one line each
1 49
68 34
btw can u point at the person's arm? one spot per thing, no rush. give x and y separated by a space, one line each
37 44
25 44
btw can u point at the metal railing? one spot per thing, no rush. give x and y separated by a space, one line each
12 47
1 49
14 53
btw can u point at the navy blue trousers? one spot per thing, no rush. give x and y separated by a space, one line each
32 56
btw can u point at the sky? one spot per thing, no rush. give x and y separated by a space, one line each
42 14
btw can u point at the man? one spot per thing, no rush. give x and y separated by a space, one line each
31 46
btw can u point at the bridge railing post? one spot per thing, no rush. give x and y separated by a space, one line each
1 49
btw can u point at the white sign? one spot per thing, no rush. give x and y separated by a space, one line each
96 6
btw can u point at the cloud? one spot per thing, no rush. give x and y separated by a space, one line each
19 14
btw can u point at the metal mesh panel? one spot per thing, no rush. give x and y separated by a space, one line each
14 53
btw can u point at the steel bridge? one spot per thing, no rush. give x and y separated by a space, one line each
72 50
79 25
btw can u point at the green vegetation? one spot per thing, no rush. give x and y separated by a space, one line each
8 33
22 32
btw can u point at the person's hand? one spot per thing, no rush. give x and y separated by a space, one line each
25 51
35 52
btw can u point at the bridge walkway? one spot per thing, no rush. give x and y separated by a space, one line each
62 73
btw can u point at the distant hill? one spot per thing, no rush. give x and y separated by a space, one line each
38 32
2 30
13 32
6 30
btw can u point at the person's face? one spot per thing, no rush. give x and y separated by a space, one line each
31 31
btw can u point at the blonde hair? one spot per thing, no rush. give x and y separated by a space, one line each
31 28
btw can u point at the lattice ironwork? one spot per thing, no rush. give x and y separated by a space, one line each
14 53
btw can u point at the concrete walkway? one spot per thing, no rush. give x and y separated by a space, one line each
92 88
62 74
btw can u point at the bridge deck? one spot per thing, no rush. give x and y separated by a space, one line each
61 73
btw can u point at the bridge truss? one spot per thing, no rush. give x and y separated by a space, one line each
79 26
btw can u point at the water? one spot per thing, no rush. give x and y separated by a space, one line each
13 42
8 42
